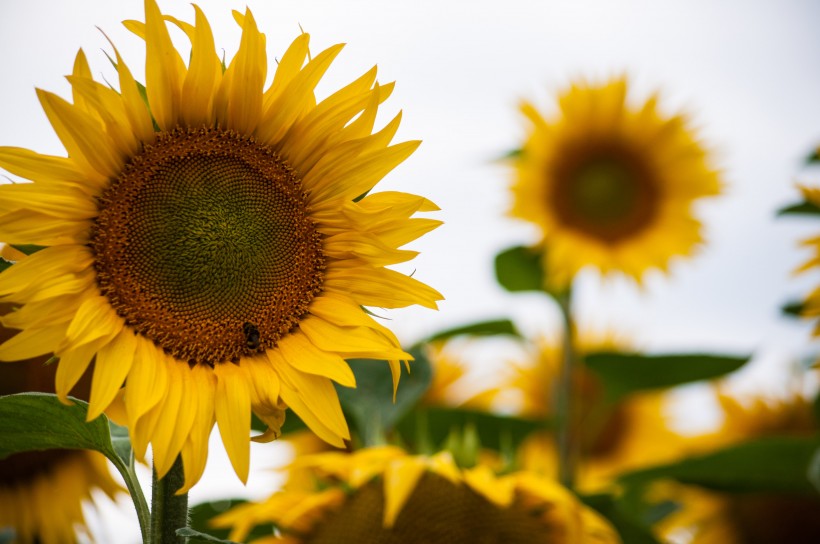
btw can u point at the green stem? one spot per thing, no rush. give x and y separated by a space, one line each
129 476
169 511
567 448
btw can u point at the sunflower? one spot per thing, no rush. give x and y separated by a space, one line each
386 496
611 437
811 306
610 186
708 517
42 492
211 242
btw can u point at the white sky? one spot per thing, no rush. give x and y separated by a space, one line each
746 71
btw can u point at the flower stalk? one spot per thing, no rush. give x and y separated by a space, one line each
564 413
169 511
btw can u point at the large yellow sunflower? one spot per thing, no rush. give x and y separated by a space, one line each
707 517
209 241
42 492
611 186
385 496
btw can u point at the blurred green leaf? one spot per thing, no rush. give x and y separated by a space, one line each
520 269
772 464
4 264
483 328
370 407
813 157
794 309
814 470
195 536
631 529
512 154
494 431
203 513
800 208
624 373
27 249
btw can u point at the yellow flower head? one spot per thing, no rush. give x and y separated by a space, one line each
209 241
42 492
383 495
723 518
610 186
612 437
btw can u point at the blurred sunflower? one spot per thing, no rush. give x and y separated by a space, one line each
42 492
707 517
610 186
385 496
211 244
611 437
811 306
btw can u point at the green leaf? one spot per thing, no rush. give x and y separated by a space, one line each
483 328
27 249
370 407
793 309
39 421
512 154
4 264
632 530
494 431
520 269
814 470
772 464
813 157
624 373
196 536
800 208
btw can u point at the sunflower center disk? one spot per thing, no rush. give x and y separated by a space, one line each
204 244
437 511
607 193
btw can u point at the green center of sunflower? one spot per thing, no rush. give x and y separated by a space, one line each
204 244
437 511
605 191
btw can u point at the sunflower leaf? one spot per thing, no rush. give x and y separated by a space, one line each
494 431
370 408
800 208
39 421
773 464
491 327
624 373
195 536
629 527
813 157
27 249
520 269
793 309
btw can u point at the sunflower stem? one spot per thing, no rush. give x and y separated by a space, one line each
565 433
169 511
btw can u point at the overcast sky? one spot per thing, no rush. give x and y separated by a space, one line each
745 71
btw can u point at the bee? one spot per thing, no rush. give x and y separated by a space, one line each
252 339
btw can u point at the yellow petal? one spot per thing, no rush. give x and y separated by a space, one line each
303 355
245 78
164 69
232 405
381 287
350 341
146 382
82 137
400 481
73 364
204 74
34 166
95 319
33 342
112 366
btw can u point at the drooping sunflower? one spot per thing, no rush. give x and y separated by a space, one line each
612 437
42 492
386 496
610 185
211 241
709 517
